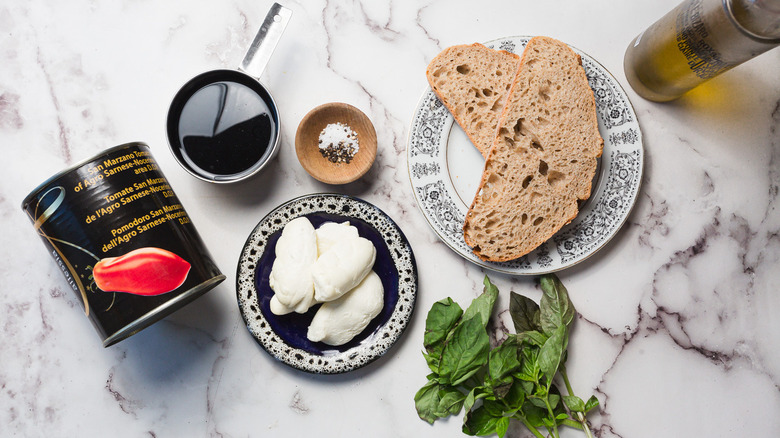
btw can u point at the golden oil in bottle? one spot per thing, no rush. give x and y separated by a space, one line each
698 40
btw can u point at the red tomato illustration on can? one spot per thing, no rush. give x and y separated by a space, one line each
144 271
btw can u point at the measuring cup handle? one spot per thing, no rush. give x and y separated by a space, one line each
266 40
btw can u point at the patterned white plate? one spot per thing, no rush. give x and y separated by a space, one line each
445 169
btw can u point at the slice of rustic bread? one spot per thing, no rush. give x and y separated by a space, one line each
544 156
473 82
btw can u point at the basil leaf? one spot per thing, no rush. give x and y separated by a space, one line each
502 426
549 423
480 422
433 361
529 368
426 401
551 354
523 310
553 400
465 353
556 309
495 408
450 401
501 387
503 360
515 396
591 403
483 304
534 414
488 286
574 403
539 403
472 397
533 337
528 387
440 321
435 400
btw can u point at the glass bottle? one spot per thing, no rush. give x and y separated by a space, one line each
698 40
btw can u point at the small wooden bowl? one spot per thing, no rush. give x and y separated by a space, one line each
308 150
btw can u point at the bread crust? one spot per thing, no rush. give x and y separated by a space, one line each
532 174
476 97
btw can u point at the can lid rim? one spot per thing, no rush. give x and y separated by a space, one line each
163 310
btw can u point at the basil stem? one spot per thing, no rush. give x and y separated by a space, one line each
580 416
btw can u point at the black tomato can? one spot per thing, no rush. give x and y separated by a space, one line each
122 239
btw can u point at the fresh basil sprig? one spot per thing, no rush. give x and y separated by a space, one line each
515 380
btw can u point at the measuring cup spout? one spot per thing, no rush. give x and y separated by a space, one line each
266 40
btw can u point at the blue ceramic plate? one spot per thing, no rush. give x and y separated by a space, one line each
284 336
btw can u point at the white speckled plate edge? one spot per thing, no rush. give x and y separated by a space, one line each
615 191
380 341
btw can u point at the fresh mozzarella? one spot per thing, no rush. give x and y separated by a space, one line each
329 233
338 321
342 268
291 274
278 308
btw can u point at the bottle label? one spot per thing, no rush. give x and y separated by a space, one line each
703 60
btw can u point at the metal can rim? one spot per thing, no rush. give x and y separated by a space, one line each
162 311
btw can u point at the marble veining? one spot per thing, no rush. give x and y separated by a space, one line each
677 315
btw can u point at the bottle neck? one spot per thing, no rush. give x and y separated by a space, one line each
759 19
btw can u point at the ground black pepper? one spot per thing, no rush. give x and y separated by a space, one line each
338 143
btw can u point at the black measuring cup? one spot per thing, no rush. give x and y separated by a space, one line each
223 125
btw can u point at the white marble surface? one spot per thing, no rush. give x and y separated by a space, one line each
677 332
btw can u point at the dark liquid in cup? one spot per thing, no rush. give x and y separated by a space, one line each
225 129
